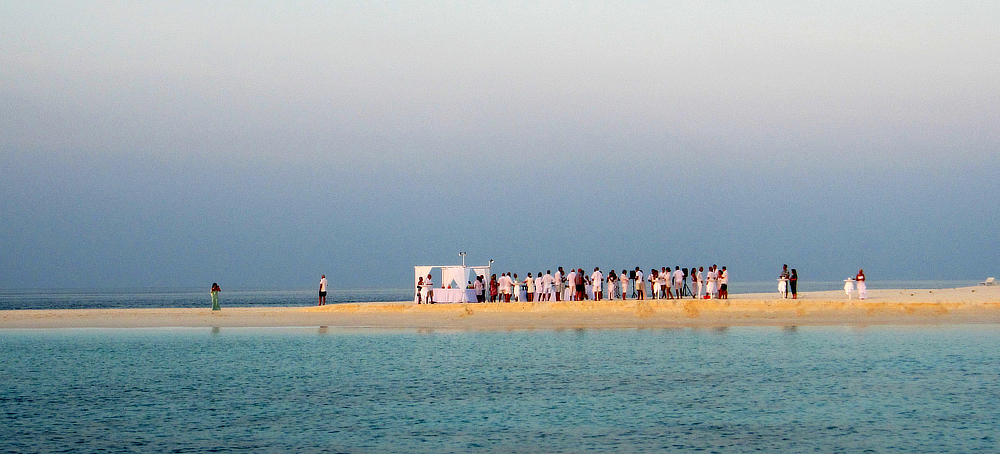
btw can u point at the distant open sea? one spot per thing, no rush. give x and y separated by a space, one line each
742 389
199 297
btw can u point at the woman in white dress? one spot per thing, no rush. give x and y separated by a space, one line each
624 281
530 290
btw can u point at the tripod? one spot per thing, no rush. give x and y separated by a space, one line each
686 291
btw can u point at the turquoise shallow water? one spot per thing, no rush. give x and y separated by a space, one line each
807 389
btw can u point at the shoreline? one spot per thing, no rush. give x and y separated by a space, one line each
966 305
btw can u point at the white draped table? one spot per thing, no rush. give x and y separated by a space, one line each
454 295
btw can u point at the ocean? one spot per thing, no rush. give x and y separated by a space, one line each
199 297
791 389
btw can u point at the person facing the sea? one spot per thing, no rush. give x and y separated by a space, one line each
558 281
494 288
678 282
640 285
596 280
862 288
547 281
322 289
215 296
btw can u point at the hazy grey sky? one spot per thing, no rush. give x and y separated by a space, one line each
261 144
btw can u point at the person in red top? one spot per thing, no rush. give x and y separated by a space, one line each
860 282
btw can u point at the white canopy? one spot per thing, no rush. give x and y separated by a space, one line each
456 277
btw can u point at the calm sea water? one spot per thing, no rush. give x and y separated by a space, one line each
806 389
199 297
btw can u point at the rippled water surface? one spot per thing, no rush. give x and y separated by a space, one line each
928 389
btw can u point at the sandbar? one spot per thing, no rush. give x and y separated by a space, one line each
968 305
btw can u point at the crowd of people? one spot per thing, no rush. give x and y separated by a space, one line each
578 285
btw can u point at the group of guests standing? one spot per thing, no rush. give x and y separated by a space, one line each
572 286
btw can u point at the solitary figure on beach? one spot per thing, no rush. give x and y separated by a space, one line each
215 297
322 289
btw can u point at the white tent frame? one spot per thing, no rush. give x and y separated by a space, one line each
447 271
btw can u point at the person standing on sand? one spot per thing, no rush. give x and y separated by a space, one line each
322 290
596 280
862 288
640 285
546 294
571 285
215 297
506 286
793 282
558 281
783 281
678 281
494 288
420 289
428 290
623 278
478 287
724 284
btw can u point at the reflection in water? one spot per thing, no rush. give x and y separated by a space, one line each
323 330
215 330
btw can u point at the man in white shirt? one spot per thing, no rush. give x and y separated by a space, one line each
678 281
506 286
701 282
571 283
595 280
322 289
724 284
546 286
428 290
640 285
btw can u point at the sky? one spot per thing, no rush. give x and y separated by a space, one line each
261 144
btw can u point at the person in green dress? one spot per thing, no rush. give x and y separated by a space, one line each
215 297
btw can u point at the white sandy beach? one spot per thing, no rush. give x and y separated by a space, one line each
970 305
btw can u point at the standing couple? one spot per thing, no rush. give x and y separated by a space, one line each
788 281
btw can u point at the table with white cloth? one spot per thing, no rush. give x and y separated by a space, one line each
454 295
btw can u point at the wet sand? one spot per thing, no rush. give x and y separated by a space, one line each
969 305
